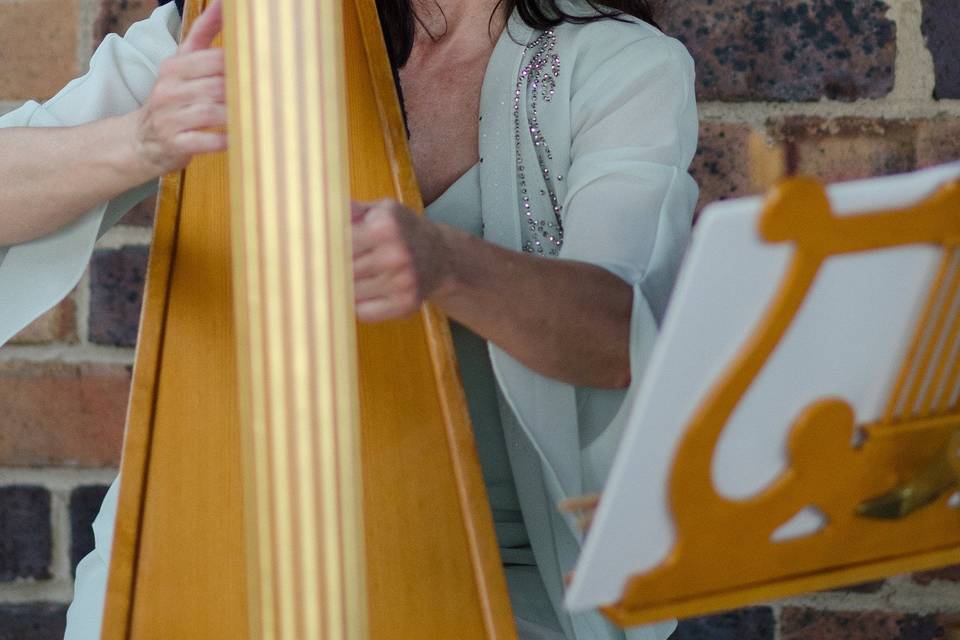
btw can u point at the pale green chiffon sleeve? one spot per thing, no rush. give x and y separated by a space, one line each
36 275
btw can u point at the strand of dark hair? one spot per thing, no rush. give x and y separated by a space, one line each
399 19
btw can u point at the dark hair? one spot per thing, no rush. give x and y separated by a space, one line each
399 18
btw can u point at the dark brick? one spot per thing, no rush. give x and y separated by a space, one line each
25 536
811 624
941 24
84 505
866 587
787 50
116 294
116 16
734 160
948 574
142 214
41 621
755 623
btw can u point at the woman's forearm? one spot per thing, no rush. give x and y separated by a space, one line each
567 320
51 176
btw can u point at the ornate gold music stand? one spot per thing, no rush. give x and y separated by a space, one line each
886 490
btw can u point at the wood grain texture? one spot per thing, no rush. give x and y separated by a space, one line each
186 548
425 503
179 532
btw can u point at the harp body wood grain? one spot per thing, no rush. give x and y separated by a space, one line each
248 321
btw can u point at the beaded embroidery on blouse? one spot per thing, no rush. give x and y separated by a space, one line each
541 234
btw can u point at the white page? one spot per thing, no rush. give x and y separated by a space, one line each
849 339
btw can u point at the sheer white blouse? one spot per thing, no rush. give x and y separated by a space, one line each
586 135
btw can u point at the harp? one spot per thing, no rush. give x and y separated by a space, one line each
287 474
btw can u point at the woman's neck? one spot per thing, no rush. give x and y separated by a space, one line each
464 25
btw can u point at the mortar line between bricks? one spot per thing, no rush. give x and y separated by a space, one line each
757 114
55 478
88 13
777 609
914 63
58 591
897 595
82 300
124 235
68 354
61 534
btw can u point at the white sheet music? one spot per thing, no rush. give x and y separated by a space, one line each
848 339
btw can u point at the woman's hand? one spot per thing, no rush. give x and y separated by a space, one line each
400 260
187 102
567 320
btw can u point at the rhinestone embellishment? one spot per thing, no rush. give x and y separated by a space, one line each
538 80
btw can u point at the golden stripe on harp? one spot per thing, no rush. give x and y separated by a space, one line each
182 564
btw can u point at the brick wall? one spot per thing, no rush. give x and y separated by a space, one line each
839 89
64 380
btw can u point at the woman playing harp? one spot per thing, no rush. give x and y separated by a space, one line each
551 140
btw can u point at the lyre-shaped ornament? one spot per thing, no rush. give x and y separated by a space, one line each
726 552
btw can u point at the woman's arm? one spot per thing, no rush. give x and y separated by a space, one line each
568 320
52 175
627 219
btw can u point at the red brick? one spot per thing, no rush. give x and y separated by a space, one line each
948 574
847 148
734 160
57 325
57 414
142 214
38 45
787 50
811 624
938 141
116 16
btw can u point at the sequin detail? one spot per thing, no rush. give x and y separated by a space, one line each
538 78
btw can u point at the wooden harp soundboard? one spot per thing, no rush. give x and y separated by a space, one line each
350 447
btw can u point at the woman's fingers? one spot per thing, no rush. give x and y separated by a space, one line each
359 209
187 101
386 284
192 65
371 229
196 91
199 64
374 280
369 288
389 259
202 115
381 309
192 143
205 28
